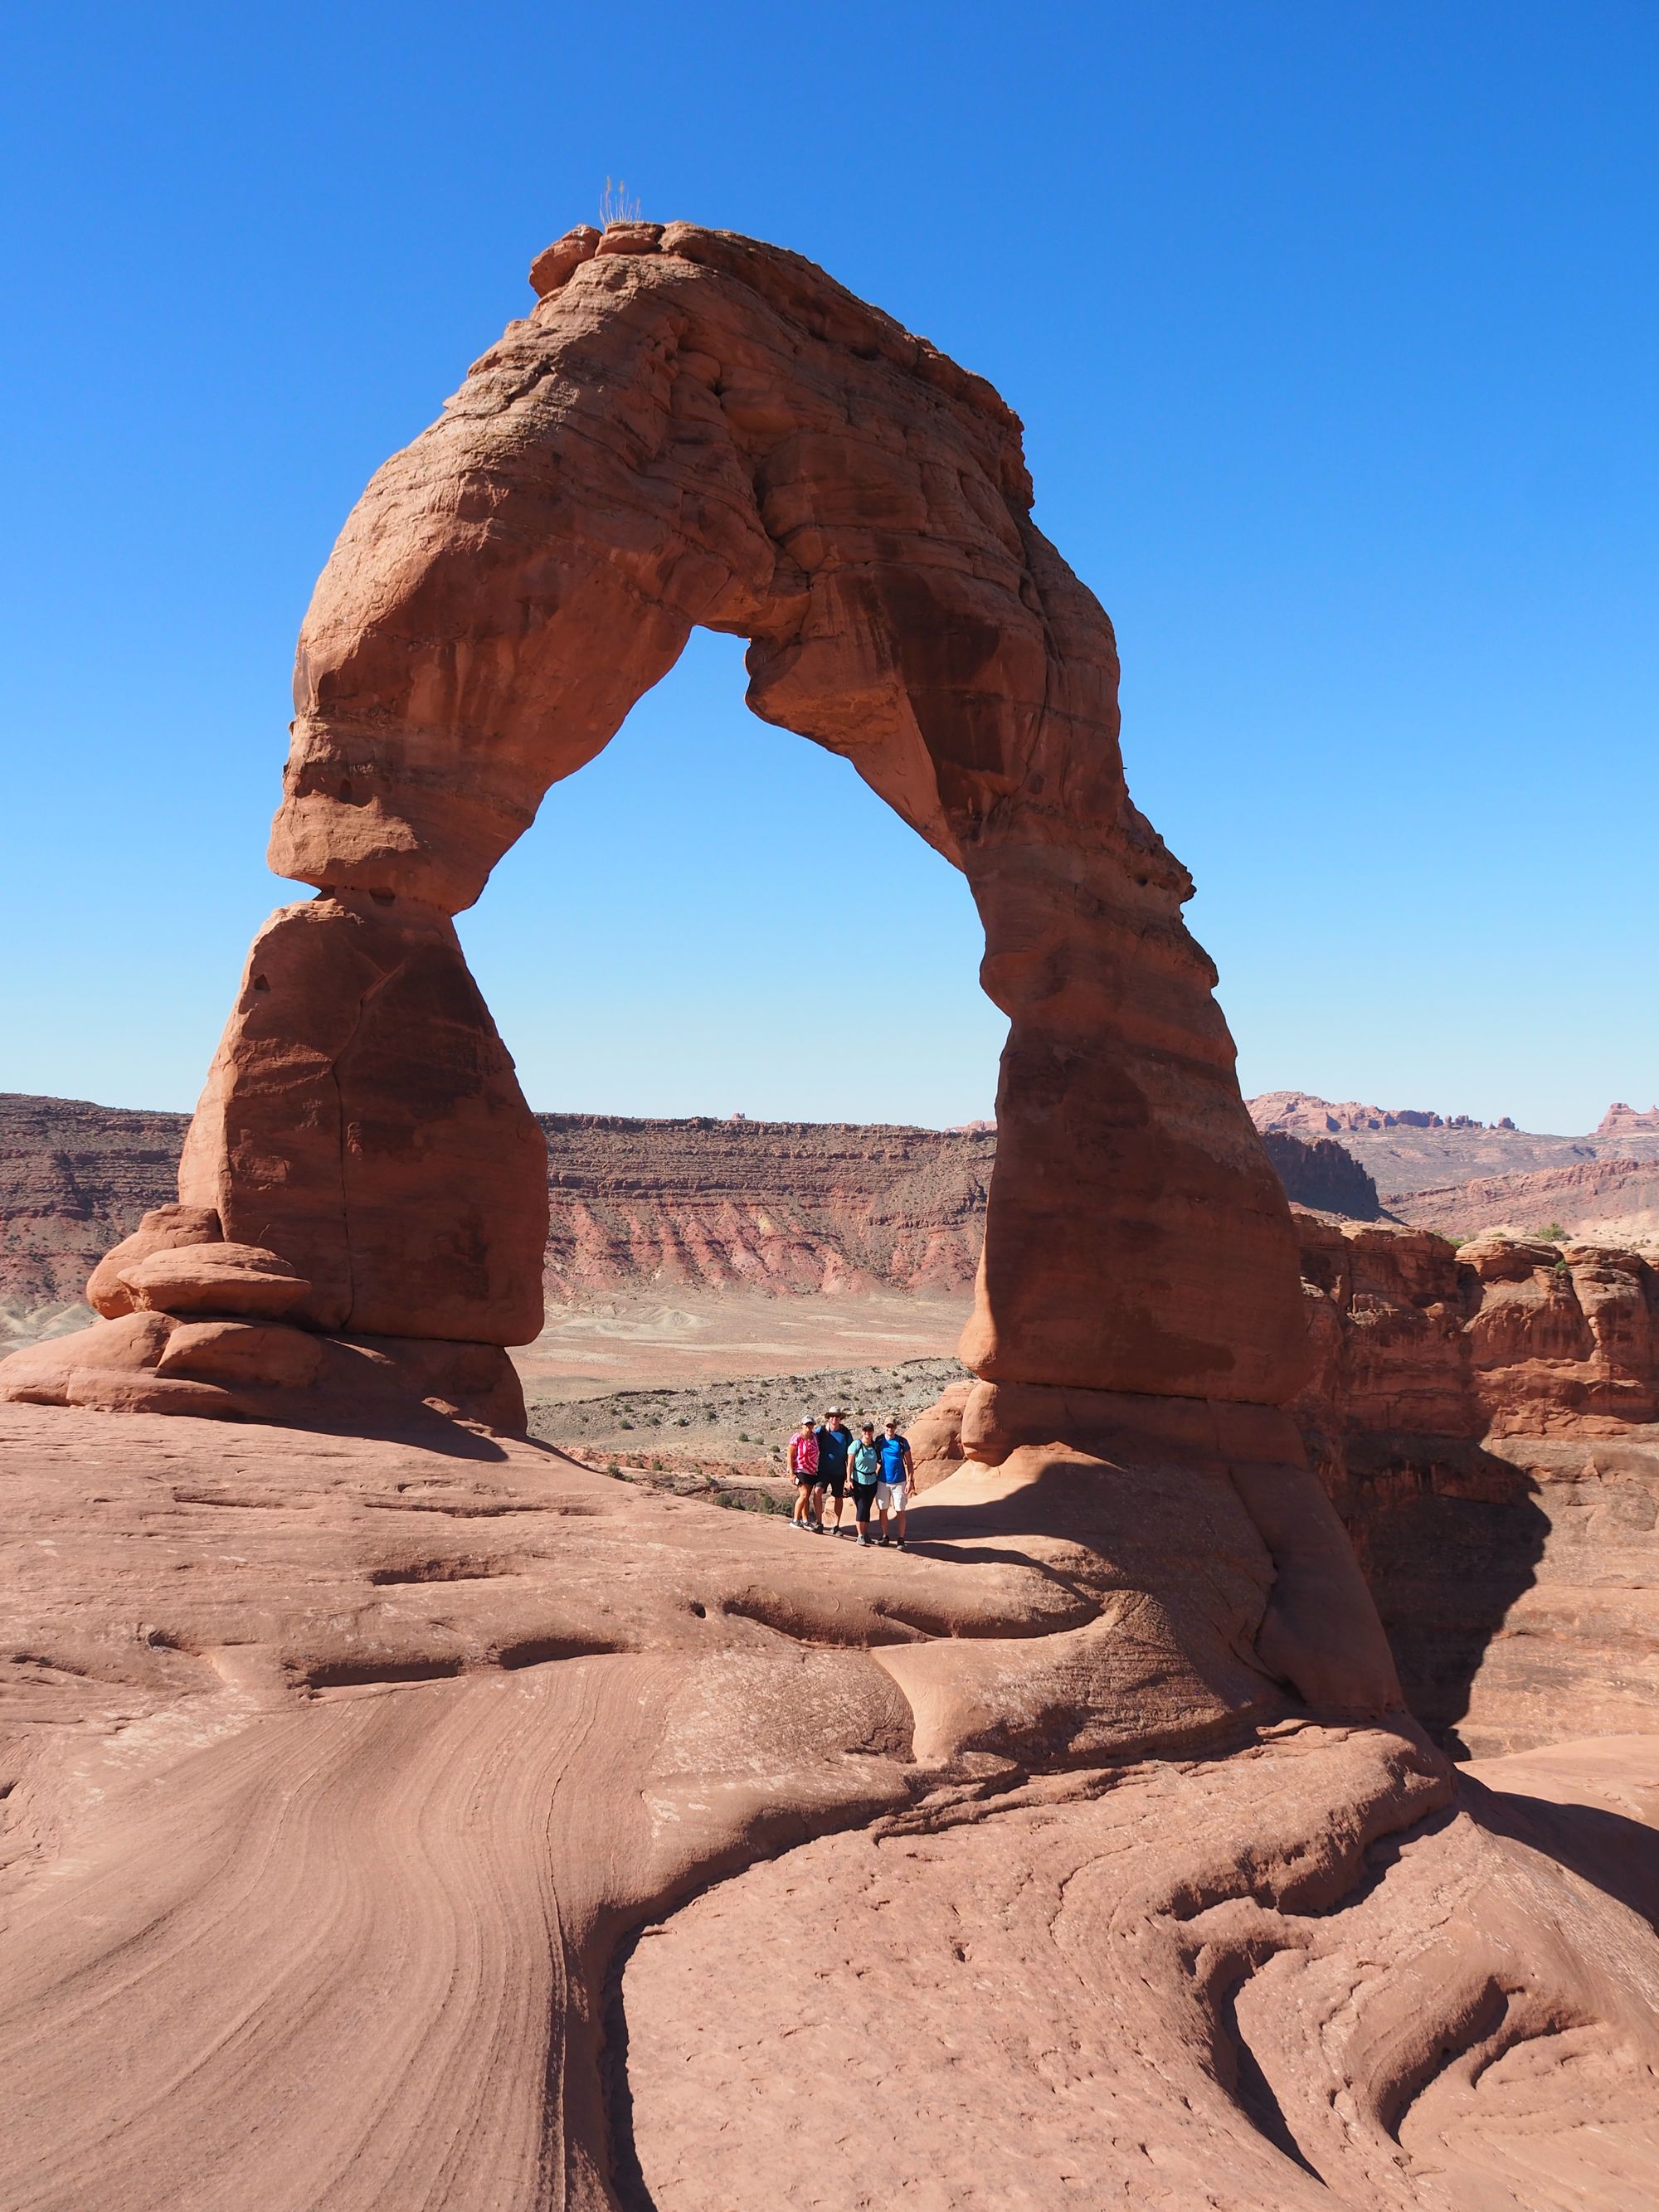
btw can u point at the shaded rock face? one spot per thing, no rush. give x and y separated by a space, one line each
1321 1174
1485 1422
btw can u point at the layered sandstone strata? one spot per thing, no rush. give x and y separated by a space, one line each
1605 1201
1486 1421
712 1204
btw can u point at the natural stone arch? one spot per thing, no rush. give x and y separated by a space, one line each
691 429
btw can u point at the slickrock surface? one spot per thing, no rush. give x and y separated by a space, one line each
1612 1201
430 1821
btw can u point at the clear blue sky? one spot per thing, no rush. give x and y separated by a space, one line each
1333 329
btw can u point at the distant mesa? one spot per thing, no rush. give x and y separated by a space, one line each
1302 1115
1622 1120
1411 1150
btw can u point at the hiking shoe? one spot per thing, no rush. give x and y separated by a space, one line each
863 1543
898 1543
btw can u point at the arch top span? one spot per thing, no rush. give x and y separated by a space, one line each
692 427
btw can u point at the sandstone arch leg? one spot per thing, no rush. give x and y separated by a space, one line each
362 1064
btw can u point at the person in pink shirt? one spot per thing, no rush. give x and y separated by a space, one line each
803 1466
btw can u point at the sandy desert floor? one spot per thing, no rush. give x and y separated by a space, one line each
641 1341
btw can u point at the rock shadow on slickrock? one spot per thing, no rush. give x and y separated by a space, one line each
627 2176
1449 1537
422 1426
1613 1853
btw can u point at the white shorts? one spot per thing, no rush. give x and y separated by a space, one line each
890 1497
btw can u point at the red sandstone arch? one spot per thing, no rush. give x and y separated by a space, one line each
691 427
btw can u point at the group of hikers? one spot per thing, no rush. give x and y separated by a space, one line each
825 1457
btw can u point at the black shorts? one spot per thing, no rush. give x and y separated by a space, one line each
835 1484
806 1482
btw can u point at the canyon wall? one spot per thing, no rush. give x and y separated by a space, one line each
783 1207
762 1205
73 1180
1608 1201
1486 1422
720 1205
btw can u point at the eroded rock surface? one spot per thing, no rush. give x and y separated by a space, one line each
434 1821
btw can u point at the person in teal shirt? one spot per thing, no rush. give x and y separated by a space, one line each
893 1487
864 1465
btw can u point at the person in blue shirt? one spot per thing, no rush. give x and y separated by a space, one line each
835 1442
893 1491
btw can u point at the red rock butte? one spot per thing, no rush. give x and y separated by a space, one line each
1090 1839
